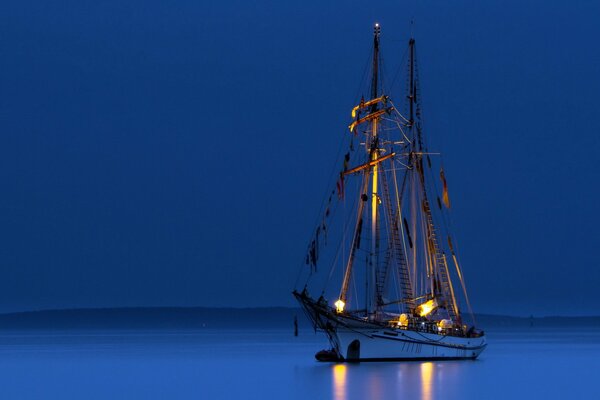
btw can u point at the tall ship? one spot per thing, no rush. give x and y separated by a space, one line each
381 277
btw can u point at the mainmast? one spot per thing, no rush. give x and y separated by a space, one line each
411 90
437 266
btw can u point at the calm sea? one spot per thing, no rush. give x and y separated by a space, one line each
272 364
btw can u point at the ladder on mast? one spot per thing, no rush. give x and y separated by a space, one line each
395 252
441 268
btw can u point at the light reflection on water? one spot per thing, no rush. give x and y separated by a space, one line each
419 380
339 382
427 369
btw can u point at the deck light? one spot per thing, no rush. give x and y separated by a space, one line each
427 307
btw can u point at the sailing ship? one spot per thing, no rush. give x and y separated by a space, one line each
388 238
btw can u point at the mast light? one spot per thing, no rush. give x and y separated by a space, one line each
427 307
339 306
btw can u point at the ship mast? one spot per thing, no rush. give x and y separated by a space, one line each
375 180
437 266
411 95
371 147
374 154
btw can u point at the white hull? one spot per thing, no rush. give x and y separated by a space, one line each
396 344
358 339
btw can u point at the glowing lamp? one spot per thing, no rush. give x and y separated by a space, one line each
427 307
339 306
403 321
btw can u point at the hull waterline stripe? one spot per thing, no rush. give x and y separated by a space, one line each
431 343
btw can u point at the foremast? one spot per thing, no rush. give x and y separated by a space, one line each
371 177
373 155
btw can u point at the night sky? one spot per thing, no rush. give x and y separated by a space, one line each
176 153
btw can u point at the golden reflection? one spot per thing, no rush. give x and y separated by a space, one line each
427 370
339 382
376 381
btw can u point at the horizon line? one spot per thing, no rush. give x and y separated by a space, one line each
131 308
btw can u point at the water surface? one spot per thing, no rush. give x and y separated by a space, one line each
260 364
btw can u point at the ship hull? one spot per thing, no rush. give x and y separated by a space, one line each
392 344
356 339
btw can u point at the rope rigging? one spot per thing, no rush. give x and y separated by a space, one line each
404 245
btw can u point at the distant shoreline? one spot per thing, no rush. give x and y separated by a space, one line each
223 317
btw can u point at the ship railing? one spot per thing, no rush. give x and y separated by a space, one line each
432 327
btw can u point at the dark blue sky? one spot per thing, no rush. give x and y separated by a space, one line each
176 153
